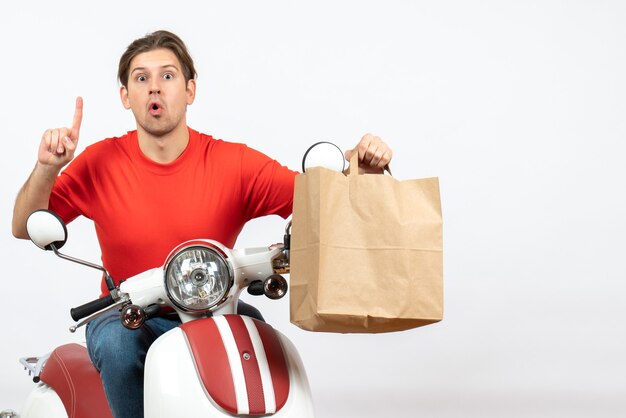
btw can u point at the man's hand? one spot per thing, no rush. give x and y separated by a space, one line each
58 145
374 154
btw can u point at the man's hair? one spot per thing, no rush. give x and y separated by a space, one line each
156 40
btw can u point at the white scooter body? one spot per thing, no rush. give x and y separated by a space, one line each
43 402
173 381
172 386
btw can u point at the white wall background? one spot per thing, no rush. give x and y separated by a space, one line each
518 107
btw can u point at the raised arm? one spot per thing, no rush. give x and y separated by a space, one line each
56 149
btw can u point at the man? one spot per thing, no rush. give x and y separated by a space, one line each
151 189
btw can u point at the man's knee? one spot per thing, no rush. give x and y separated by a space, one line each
108 342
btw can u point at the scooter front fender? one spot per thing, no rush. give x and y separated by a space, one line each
214 367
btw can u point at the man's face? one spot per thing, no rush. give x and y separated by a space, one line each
157 93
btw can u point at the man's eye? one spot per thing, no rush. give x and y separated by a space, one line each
168 76
141 78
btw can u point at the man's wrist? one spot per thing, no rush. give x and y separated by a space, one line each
46 172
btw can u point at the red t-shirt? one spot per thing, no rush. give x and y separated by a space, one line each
142 209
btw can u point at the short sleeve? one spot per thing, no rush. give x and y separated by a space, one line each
267 185
72 194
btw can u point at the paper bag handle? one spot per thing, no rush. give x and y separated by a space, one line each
354 165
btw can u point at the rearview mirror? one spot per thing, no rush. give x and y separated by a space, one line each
46 229
324 154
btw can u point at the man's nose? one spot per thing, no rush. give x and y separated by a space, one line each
154 87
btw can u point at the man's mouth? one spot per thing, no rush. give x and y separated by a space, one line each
155 109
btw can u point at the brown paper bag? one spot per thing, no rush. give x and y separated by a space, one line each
366 252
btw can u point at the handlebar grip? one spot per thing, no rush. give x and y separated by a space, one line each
88 308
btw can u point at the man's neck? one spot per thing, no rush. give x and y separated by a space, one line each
163 149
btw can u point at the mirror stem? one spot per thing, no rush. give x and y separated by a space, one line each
107 278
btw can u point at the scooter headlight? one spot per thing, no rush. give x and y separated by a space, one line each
197 278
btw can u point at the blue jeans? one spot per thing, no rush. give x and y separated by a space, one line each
119 354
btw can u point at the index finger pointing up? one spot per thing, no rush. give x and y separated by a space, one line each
78 117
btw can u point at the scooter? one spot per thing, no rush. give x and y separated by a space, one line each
215 364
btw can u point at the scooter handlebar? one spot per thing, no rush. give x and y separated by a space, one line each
89 308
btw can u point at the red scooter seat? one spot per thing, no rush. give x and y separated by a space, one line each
71 374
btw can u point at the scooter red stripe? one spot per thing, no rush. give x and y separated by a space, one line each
211 361
276 362
264 368
249 363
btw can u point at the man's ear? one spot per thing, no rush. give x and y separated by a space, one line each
124 97
191 91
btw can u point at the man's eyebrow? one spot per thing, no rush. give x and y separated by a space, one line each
163 67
